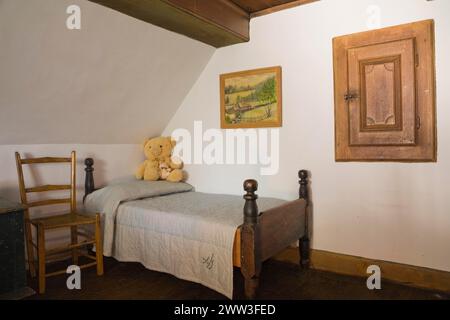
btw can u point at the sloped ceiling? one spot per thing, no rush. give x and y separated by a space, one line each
117 80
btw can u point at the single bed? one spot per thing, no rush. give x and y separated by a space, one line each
198 236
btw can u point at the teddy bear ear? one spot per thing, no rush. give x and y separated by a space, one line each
145 142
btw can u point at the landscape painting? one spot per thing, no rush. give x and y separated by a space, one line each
251 99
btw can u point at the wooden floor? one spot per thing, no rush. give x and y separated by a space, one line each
280 280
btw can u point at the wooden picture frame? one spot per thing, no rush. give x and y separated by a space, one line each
251 99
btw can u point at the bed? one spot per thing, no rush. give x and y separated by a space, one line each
200 237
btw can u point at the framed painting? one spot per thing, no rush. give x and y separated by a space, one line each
251 99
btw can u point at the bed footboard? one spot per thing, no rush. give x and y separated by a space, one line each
264 235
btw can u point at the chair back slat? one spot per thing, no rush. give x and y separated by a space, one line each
45 160
48 202
48 187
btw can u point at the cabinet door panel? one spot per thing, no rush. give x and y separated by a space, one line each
382 79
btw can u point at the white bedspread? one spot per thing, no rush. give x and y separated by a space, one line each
187 234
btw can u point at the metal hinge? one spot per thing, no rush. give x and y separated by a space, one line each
418 122
417 59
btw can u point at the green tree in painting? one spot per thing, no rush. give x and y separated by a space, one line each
267 92
267 95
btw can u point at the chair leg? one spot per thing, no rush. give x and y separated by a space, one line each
74 238
30 247
98 246
41 258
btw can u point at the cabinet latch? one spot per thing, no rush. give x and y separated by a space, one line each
350 96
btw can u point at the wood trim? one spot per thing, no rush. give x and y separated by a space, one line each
404 274
280 7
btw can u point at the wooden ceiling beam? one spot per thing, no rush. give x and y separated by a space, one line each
280 7
218 23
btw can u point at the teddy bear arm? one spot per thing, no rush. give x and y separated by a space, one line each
175 176
140 171
174 165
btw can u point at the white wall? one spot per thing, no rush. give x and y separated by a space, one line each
391 211
117 80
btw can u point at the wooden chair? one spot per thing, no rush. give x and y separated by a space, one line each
70 220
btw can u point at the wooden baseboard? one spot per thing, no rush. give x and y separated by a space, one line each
357 266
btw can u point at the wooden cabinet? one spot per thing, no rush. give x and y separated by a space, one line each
12 252
384 94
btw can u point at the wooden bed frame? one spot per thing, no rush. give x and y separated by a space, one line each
262 234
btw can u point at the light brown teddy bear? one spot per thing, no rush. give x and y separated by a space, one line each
160 165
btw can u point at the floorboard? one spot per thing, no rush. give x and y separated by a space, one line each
280 280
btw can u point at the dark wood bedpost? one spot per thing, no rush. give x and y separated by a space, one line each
304 241
89 186
250 251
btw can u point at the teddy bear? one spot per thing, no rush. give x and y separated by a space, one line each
160 165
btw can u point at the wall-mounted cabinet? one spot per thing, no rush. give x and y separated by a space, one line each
385 94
